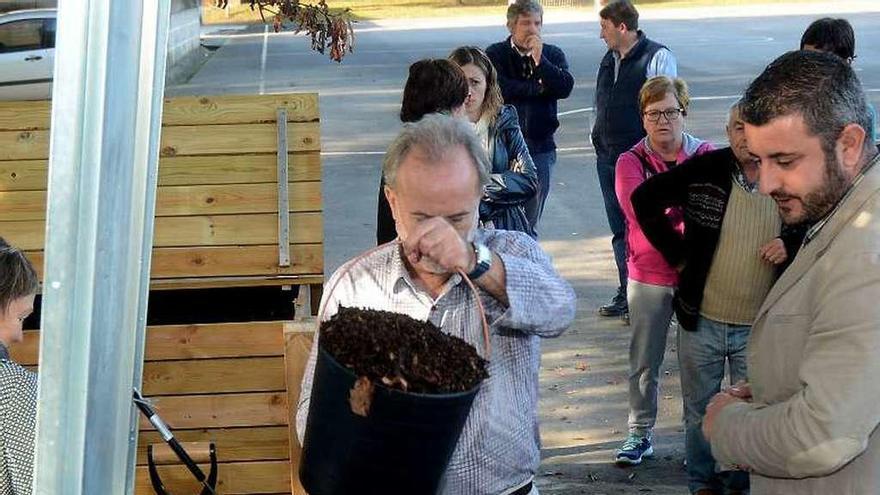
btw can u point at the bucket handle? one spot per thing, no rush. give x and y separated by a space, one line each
344 269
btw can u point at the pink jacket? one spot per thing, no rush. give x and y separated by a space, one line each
644 263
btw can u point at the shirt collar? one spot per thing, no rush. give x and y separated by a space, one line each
518 50
813 231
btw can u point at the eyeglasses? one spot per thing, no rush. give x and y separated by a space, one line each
670 114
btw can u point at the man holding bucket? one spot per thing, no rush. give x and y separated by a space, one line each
435 171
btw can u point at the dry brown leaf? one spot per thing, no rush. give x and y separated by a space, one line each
361 396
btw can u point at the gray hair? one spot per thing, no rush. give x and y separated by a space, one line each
820 86
436 135
735 108
523 7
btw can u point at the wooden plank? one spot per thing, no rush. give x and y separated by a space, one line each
185 110
298 337
199 452
232 139
216 261
23 175
176 342
252 260
233 444
210 376
220 282
25 115
186 200
24 144
235 169
253 339
215 230
231 230
183 140
30 175
221 411
233 109
233 478
235 198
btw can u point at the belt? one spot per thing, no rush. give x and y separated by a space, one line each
523 490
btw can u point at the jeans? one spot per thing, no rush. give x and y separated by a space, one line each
544 163
650 311
701 356
605 166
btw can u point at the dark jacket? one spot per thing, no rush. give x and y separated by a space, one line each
701 187
618 125
514 181
533 90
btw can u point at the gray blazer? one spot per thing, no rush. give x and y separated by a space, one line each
814 365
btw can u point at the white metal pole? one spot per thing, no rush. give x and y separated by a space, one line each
102 171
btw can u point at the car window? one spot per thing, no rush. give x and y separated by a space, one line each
49 33
21 35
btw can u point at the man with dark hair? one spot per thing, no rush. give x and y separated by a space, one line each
836 36
728 258
831 35
631 60
807 422
533 76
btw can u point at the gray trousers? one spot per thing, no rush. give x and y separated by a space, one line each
650 311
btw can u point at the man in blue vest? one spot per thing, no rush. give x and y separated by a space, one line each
533 76
632 58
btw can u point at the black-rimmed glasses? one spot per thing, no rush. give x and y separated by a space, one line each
670 114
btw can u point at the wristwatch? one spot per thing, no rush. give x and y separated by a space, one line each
484 261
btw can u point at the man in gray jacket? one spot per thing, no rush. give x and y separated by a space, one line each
807 421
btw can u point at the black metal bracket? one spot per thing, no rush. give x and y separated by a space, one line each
209 484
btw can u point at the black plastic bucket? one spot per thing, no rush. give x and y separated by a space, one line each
402 446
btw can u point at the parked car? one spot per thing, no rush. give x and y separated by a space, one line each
27 54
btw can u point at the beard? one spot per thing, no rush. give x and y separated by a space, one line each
816 204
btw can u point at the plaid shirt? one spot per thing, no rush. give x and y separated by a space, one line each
18 425
499 448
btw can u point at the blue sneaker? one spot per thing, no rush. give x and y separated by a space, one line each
634 449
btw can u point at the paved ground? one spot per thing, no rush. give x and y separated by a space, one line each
583 404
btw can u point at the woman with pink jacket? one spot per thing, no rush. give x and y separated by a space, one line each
663 102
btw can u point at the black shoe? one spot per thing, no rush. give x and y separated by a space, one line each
617 307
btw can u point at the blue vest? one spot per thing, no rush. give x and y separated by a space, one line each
618 125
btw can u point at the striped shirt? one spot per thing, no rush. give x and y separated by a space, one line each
499 448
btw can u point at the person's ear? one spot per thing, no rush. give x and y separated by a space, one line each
391 196
851 148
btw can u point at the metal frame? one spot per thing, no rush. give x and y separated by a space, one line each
106 116
283 191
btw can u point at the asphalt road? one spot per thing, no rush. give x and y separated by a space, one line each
583 393
360 98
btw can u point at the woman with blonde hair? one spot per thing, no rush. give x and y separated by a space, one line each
663 102
514 176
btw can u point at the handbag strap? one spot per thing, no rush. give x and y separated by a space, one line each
646 165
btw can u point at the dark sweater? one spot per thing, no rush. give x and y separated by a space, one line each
533 90
618 125
701 187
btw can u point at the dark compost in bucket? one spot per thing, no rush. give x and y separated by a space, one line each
412 387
